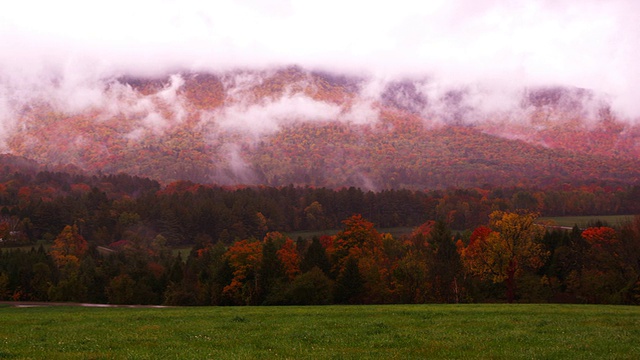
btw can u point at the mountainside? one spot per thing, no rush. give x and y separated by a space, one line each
293 126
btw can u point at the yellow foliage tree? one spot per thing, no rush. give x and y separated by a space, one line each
511 244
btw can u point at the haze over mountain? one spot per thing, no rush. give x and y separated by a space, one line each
292 125
449 93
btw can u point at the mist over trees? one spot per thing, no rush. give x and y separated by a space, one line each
112 239
294 125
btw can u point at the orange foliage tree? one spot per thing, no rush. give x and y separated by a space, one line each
68 247
244 257
358 236
361 241
290 259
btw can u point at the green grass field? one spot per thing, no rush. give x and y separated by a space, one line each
583 221
332 332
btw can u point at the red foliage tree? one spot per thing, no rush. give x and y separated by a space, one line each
290 259
601 236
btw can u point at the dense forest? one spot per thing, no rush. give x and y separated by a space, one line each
67 236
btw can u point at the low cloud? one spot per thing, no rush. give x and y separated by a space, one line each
7 122
472 59
269 117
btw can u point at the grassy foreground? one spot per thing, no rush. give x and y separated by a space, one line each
330 332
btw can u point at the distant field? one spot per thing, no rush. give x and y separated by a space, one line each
396 232
496 331
45 245
583 221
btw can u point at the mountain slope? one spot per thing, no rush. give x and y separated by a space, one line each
290 125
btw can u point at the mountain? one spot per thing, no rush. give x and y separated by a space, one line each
296 126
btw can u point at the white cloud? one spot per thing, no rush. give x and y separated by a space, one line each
589 43
268 117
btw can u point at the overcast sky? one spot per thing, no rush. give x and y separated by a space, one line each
586 43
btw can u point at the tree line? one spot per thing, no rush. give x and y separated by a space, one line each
111 208
66 236
513 257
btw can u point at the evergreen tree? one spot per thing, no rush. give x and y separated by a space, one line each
445 264
271 272
350 283
316 256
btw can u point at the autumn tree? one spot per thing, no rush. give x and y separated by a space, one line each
362 243
68 247
359 235
600 237
289 259
245 258
503 251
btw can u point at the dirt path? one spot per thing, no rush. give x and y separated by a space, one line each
24 304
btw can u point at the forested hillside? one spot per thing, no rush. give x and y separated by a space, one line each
293 126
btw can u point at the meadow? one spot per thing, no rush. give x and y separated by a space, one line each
585 221
486 331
